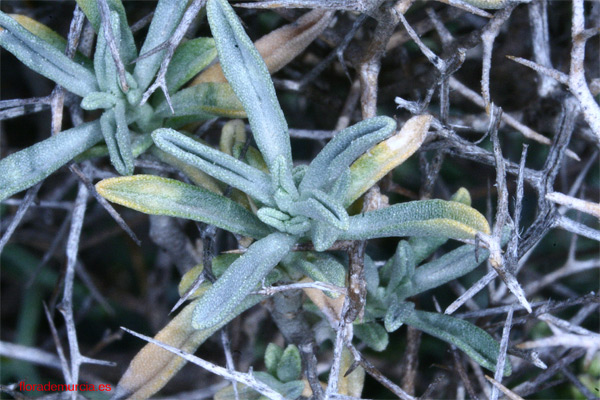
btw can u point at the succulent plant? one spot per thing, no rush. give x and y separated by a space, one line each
294 204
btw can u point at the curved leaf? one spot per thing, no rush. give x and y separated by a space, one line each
402 266
248 75
423 247
44 58
161 196
418 218
387 155
27 167
196 176
167 15
104 64
215 163
343 150
204 101
322 208
474 341
127 48
448 267
190 58
116 135
240 279
43 32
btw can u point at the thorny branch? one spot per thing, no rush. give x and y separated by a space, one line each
368 48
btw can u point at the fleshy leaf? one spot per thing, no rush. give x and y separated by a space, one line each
321 207
44 58
241 278
402 267
204 101
418 218
45 33
373 335
323 235
283 222
448 267
215 163
104 64
289 367
116 135
423 247
190 58
272 356
127 48
161 196
344 149
387 155
167 15
27 167
248 75
474 341
98 100
197 177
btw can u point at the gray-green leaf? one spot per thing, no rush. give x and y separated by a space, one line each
127 48
167 15
474 341
160 196
215 163
189 59
402 267
423 247
248 75
241 278
116 135
418 218
44 58
27 167
204 101
344 149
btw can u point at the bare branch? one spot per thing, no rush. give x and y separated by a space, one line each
246 379
497 385
574 203
502 354
487 38
21 211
